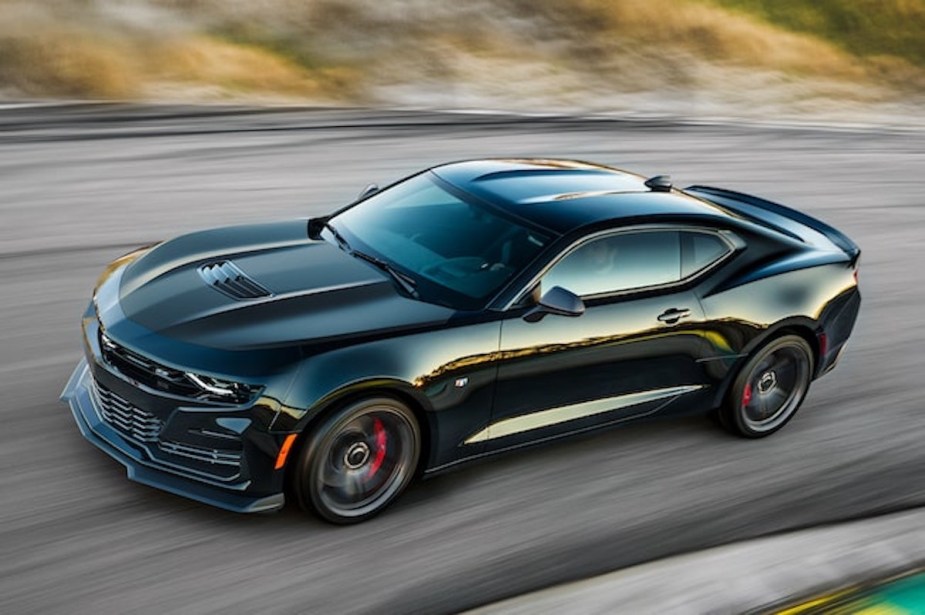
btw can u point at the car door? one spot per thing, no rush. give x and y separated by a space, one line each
633 352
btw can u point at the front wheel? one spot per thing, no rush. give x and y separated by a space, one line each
769 388
358 460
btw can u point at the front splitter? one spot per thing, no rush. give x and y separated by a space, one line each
77 395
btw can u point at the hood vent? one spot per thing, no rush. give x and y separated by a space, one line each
225 276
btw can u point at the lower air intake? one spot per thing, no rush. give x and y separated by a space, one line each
126 418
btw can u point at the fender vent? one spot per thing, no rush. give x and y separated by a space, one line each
225 276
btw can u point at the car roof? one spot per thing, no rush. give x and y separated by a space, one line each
563 195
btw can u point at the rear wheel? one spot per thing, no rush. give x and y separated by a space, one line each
769 388
358 460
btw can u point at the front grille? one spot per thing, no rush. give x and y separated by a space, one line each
126 418
226 277
144 370
162 378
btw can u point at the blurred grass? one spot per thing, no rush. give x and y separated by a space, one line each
362 50
67 62
140 50
862 27
697 29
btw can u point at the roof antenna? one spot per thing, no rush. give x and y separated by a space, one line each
659 183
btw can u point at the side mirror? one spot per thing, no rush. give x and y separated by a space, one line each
558 301
367 191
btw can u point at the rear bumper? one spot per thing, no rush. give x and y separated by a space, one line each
833 362
837 323
141 467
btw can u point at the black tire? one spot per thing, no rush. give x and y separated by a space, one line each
358 460
769 388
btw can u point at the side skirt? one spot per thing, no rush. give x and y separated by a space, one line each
676 393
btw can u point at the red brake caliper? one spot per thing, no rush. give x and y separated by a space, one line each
747 394
379 430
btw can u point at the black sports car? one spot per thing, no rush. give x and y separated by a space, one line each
471 308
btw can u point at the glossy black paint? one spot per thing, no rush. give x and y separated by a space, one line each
334 328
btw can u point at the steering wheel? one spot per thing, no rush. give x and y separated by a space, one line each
457 267
462 266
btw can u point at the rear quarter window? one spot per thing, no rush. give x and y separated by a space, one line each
699 250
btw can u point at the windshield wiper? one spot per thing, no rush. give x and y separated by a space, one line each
338 237
406 282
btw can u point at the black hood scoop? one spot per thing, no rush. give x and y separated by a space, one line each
226 277
260 286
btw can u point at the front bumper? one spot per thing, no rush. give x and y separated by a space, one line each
144 467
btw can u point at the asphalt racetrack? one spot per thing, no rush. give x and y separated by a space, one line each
81 185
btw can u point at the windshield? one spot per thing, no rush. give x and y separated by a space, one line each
458 253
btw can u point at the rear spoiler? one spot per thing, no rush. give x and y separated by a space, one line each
776 216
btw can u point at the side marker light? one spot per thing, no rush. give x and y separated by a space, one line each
284 451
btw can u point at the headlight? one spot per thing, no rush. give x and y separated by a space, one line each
221 390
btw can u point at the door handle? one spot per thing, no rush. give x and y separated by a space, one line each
673 315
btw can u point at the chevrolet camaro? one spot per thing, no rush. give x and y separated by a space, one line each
472 308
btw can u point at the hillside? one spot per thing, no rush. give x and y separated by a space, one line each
652 56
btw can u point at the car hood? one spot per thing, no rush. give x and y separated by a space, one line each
297 290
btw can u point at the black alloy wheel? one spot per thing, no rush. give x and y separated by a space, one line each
358 460
769 388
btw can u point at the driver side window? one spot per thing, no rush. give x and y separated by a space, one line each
618 262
